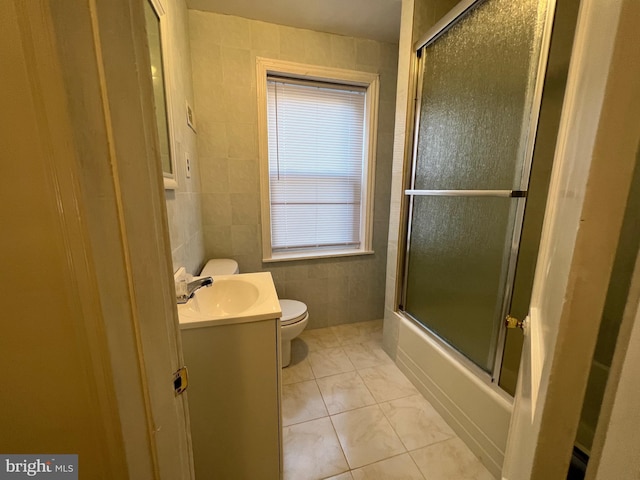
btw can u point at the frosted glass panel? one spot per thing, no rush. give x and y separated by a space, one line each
476 98
458 254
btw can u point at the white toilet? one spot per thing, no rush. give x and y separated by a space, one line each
294 313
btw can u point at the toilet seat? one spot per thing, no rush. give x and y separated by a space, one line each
292 311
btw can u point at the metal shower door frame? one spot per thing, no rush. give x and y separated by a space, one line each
512 245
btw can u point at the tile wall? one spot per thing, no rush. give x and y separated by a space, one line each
183 203
416 19
223 54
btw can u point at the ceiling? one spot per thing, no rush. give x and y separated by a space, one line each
374 19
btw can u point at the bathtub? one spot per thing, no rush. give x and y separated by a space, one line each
477 410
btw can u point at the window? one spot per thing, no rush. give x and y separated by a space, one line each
317 149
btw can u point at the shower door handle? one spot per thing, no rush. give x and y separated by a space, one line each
467 193
513 322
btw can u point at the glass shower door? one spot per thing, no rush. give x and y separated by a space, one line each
477 107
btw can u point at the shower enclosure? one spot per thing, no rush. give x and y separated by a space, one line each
479 89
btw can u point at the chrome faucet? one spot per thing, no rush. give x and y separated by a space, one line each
191 288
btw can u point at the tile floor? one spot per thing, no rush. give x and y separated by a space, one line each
350 414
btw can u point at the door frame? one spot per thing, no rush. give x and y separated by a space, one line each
114 180
587 199
619 416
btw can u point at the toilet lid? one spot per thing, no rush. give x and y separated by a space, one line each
219 266
292 311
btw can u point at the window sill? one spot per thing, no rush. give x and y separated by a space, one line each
287 257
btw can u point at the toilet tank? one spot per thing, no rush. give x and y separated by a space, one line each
220 266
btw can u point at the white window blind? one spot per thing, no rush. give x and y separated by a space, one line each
316 154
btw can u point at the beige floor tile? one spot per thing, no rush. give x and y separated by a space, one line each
376 336
366 436
358 332
302 402
450 460
401 467
330 361
345 391
387 382
352 372
347 333
416 422
342 476
298 372
312 451
367 354
319 339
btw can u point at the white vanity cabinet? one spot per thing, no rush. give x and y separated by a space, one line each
234 400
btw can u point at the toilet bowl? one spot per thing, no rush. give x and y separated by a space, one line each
294 313
293 321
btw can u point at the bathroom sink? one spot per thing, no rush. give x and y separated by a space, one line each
228 296
239 298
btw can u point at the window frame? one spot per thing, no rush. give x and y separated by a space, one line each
371 83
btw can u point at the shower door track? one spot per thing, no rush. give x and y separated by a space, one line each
460 357
455 14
